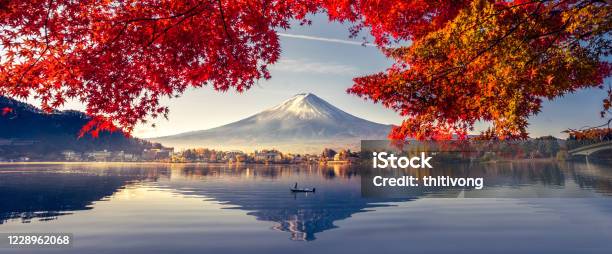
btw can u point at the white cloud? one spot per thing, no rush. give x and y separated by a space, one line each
307 66
316 38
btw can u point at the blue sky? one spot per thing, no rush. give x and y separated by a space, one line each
321 59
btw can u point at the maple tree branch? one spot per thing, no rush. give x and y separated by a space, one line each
558 33
508 33
585 128
502 10
223 20
186 14
46 24
185 17
447 71
225 28
499 40
507 8
125 26
180 14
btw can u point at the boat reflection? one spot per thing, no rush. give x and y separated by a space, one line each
264 192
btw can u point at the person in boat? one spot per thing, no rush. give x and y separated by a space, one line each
295 189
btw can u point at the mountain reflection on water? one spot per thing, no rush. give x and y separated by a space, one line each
263 191
48 191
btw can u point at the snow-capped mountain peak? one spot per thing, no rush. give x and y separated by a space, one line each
302 119
305 106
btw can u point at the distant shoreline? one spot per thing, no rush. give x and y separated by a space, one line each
251 163
158 162
83 162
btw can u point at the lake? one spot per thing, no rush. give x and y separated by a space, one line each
184 208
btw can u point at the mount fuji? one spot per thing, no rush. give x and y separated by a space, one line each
303 123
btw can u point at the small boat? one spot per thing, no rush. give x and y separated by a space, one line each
296 189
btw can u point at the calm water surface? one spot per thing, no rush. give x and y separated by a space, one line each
159 208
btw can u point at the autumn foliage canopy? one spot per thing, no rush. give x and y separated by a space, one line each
468 61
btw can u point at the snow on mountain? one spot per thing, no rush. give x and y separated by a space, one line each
303 123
